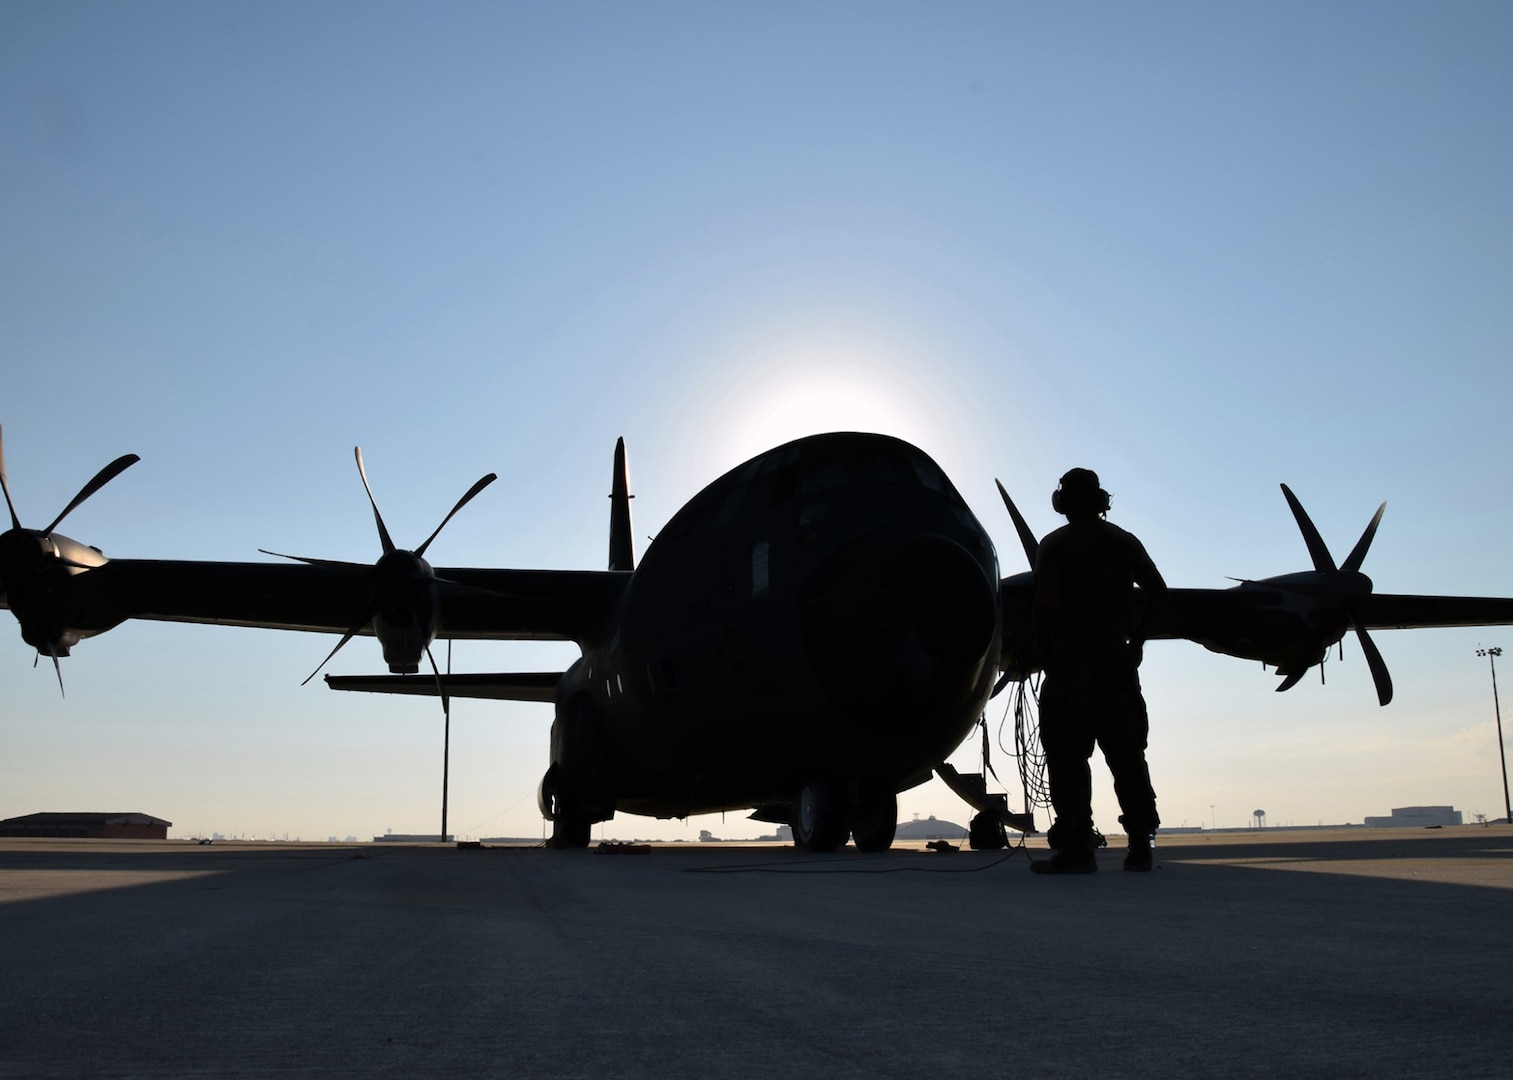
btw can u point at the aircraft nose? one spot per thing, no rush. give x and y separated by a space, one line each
898 628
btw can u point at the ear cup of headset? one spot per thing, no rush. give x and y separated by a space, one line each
1058 501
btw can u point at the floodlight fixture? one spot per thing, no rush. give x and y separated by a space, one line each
1492 654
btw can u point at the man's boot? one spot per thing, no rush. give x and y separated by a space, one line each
1140 857
1073 860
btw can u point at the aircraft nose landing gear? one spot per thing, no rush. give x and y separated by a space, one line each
874 821
819 818
823 819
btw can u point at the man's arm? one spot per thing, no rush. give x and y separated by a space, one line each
1044 611
1153 592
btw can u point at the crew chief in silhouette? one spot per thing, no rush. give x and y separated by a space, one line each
1089 642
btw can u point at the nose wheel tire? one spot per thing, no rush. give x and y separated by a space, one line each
819 823
571 832
873 823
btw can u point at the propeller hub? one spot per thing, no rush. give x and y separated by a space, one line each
1336 589
407 609
404 609
35 569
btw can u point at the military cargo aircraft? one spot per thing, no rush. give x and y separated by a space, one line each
812 633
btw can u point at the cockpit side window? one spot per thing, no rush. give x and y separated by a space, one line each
733 500
930 475
786 480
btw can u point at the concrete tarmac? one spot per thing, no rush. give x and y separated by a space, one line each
1382 953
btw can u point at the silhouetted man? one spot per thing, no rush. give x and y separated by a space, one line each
1089 641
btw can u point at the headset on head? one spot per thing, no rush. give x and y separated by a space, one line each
1080 485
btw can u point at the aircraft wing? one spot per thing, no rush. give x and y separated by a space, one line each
1291 622
505 686
1197 614
1403 612
494 604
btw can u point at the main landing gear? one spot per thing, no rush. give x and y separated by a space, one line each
571 832
822 819
572 821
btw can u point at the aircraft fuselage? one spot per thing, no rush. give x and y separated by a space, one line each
827 610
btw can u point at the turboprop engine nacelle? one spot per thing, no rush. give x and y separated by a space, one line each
407 609
38 573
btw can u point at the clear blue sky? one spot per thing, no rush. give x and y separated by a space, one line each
1199 248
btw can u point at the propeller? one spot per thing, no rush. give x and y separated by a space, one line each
403 609
32 560
1343 586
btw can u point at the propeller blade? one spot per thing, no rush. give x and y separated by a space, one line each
57 667
316 562
103 477
474 490
5 484
383 533
348 636
1292 680
441 687
1322 560
1374 661
1026 537
1358 553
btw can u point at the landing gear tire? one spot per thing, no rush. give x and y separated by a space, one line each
986 833
874 823
570 826
819 819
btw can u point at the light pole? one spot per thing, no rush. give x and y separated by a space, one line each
1492 654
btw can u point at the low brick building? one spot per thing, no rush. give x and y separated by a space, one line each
129 826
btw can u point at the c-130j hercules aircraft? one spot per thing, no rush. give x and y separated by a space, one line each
814 632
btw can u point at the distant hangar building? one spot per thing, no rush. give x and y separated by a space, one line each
1419 817
129 826
930 829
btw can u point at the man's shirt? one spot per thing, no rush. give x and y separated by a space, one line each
1085 579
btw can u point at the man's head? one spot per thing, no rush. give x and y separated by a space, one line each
1079 495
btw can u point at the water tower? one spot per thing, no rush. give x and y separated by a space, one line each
1260 816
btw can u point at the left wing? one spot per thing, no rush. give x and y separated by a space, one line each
1289 621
